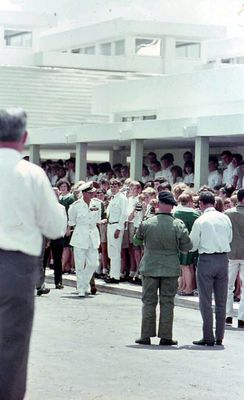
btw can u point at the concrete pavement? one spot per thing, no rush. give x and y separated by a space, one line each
83 349
130 290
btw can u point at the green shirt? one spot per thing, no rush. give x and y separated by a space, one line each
164 237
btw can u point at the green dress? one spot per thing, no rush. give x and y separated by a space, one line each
188 216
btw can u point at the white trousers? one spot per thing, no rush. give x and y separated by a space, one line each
114 251
86 261
234 267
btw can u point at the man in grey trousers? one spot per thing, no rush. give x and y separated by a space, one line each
211 234
28 210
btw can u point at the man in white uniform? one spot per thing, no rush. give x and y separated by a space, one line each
29 210
117 215
85 215
214 177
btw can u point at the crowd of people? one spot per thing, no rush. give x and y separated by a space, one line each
124 204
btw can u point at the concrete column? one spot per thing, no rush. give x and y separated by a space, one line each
169 55
130 46
201 161
35 153
136 154
80 161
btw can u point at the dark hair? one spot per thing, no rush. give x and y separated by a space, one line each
169 157
240 194
156 162
178 170
188 153
163 186
213 159
207 198
238 157
226 153
189 164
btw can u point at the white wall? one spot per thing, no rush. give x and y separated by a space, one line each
210 92
226 48
133 63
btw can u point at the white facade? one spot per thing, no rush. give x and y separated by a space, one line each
118 82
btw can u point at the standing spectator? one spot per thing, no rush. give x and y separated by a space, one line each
28 212
117 215
84 215
66 199
236 258
211 234
238 173
156 169
214 177
164 236
229 170
185 212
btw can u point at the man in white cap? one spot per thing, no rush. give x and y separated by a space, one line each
84 214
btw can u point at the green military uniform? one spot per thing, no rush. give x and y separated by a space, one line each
164 237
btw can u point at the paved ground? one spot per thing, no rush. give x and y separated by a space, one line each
83 349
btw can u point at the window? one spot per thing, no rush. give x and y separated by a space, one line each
106 49
188 49
148 47
89 50
77 51
18 38
119 47
138 118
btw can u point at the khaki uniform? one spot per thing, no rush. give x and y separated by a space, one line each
164 237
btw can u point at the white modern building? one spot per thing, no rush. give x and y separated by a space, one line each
124 87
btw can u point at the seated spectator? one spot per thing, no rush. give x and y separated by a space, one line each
177 174
214 177
189 173
167 161
156 169
227 158
146 176
187 156
238 173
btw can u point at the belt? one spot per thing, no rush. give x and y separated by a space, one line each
111 223
211 254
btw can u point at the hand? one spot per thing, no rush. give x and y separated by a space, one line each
116 234
68 231
104 221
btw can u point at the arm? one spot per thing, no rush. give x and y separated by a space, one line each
50 215
195 236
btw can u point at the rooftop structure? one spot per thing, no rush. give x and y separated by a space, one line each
123 86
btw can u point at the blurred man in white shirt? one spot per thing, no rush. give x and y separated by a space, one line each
29 210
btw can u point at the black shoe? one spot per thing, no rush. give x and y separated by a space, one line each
59 286
111 280
228 321
137 281
93 290
146 341
218 342
42 291
240 323
167 342
203 342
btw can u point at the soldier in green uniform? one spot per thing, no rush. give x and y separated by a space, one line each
164 237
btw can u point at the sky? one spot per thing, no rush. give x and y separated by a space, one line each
219 12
